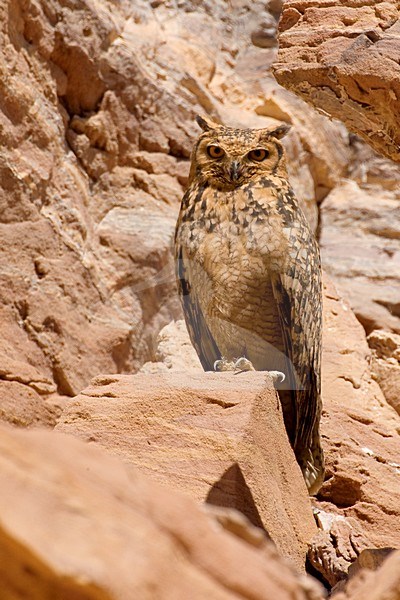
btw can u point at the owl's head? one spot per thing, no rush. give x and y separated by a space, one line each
227 158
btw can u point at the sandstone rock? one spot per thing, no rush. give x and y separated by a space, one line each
360 431
337 546
361 438
264 36
360 250
174 351
323 146
371 559
219 437
344 60
368 168
78 523
22 406
385 365
97 117
384 584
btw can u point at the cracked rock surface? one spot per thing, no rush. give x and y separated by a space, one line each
344 59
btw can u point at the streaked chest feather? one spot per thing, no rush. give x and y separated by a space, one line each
242 228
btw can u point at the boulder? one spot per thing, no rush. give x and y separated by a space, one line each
219 437
358 506
382 584
78 523
344 59
360 249
385 364
360 431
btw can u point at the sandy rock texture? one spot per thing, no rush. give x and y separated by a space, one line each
358 506
344 59
97 111
361 439
386 364
360 248
76 523
219 437
97 107
341 58
97 122
383 583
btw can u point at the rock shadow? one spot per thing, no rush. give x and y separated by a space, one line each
232 491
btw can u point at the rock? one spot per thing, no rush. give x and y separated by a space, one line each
337 546
174 351
371 559
322 146
385 364
23 406
383 584
76 522
360 250
219 437
343 59
372 170
360 431
97 127
360 435
264 36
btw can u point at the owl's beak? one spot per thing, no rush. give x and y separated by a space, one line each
234 170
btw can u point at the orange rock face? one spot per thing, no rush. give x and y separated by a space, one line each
381 584
219 437
360 250
97 106
360 430
386 364
97 117
344 59
78 523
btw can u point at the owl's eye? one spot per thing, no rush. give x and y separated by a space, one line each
258 155
215 151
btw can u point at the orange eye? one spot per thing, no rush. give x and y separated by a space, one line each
258 155
215 151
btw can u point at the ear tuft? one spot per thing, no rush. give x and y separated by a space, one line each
206 123
281 131
277 132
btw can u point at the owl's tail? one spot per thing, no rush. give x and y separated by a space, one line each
312 464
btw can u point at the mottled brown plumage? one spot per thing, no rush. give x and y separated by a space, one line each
249 274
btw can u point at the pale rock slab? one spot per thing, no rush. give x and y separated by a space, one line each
360 431
360 250
219 437
382 584
344 59
385 365
77 523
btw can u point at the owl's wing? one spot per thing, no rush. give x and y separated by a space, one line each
199 333
297 291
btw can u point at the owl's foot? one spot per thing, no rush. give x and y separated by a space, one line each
238 365
277 376
224 365
243 364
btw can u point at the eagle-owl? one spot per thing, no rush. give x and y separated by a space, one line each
249 274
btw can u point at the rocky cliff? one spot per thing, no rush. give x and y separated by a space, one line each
97 109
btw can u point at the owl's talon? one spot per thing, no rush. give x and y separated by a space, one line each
277 376
243 364
224 365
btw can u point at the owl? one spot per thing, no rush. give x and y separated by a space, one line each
249 275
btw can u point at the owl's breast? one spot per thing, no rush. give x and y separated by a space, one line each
241 226
232 242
